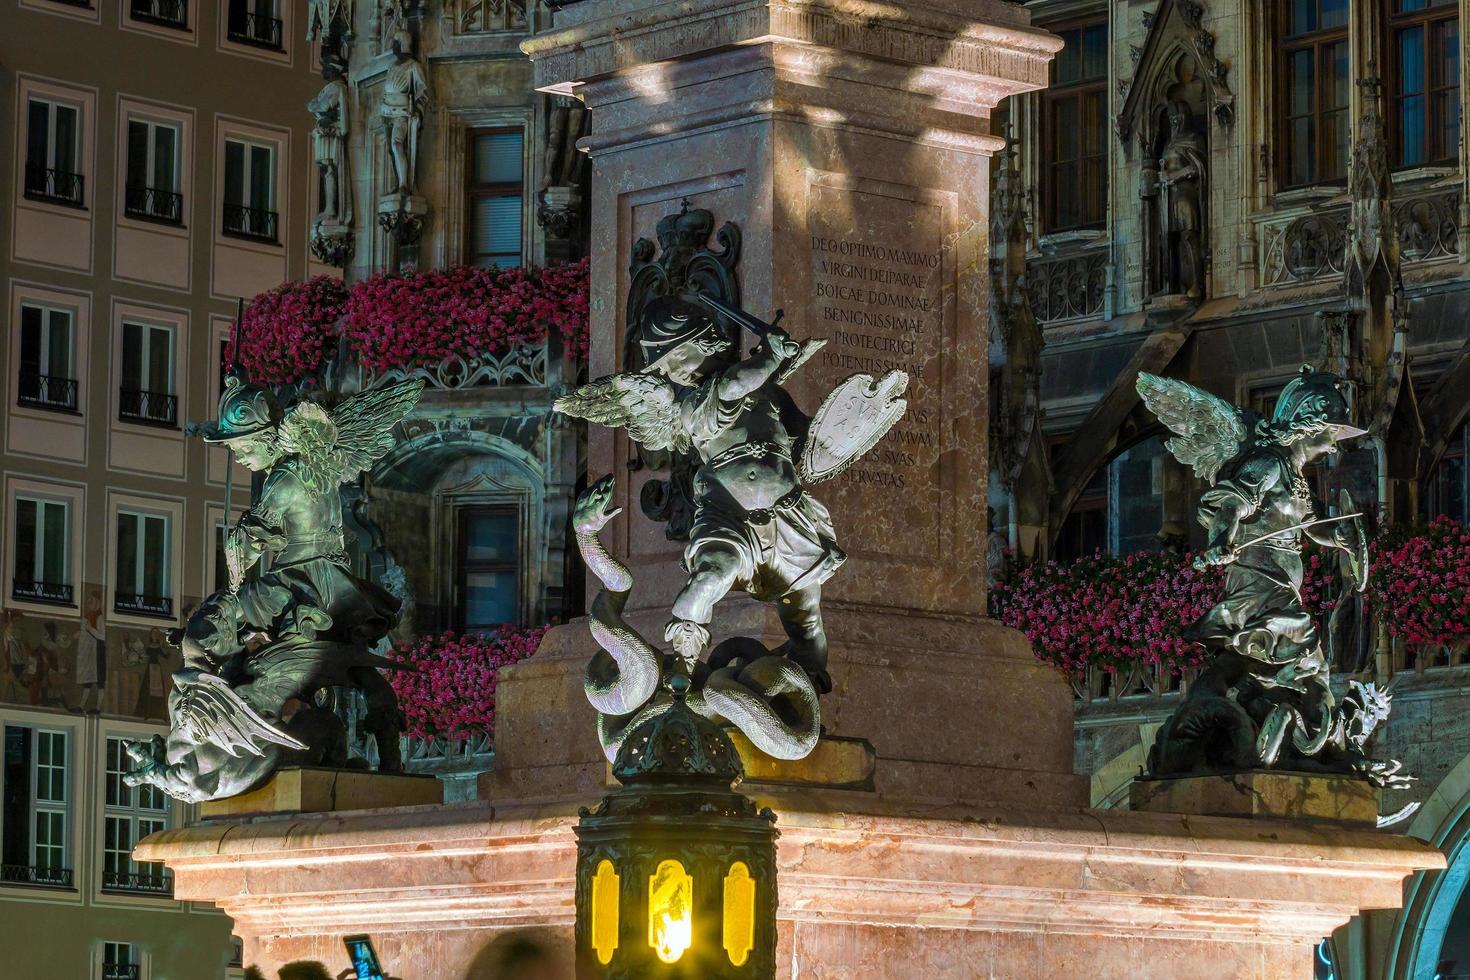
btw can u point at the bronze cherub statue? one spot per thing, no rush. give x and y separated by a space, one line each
305 623
755 526
1264 697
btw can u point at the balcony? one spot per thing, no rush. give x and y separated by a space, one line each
254 29
148 408
30 874
121 971
158 882
153 204
165 13
53 186
257 224
47 391
55 593
137 604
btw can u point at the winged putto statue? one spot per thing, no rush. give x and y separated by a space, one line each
302 623
1264 698
755 526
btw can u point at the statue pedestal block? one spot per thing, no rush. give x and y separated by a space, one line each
302 789
956 710
1315 797
836 763
866 889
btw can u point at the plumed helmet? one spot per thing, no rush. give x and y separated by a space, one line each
669 323
1315 395
244 409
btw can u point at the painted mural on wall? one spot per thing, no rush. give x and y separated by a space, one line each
86 665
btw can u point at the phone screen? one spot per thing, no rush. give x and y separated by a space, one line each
364 959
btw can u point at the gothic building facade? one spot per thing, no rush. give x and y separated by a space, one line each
1222 193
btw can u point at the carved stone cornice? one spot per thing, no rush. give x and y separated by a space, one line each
1182 20
597 40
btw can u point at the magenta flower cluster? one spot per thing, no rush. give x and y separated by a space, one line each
413 319
289 331
395 320
450 690
1419 583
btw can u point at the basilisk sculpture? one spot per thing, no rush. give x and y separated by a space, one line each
1264 698
302 624
755 527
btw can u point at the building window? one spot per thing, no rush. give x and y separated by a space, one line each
142 585
165 13
250 190
152 188
130 813
120 962
488 568
1136 498
255 22
1424 50
1313 98
147 392
53 152
47 378
36 812
1447 489
493 197
42 551
1075 131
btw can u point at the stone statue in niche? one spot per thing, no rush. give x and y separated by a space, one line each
331 108
405 100
1263 699
1178 211
754 527
276 638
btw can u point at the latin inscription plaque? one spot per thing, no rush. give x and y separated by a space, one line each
877 274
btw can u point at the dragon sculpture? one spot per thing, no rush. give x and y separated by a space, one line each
305 623
1264 698
754 528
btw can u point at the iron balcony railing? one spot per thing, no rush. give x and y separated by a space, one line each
257 223
47 391
143 605
58 593
30 874
256 29
168 13
153 204
144 883
57 186
121 971
147 407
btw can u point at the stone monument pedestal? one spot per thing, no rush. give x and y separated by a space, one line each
849 142
1270 794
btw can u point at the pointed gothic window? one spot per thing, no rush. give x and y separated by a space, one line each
1313 95
1424 81
1074 155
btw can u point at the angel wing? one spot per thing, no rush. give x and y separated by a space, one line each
644 404
215 715
1208 431
334 447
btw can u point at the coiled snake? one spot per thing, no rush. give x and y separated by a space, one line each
767 697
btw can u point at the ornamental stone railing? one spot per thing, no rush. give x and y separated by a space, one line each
1067 287
520 365
1308 247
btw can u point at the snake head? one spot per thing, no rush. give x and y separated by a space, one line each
594 507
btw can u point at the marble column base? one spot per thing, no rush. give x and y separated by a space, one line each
957 710
1288 795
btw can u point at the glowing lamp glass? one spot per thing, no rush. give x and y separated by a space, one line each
605 912
739 913
670 911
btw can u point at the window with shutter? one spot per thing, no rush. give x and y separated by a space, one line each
494 197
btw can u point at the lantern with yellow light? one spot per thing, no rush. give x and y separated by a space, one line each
676 872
